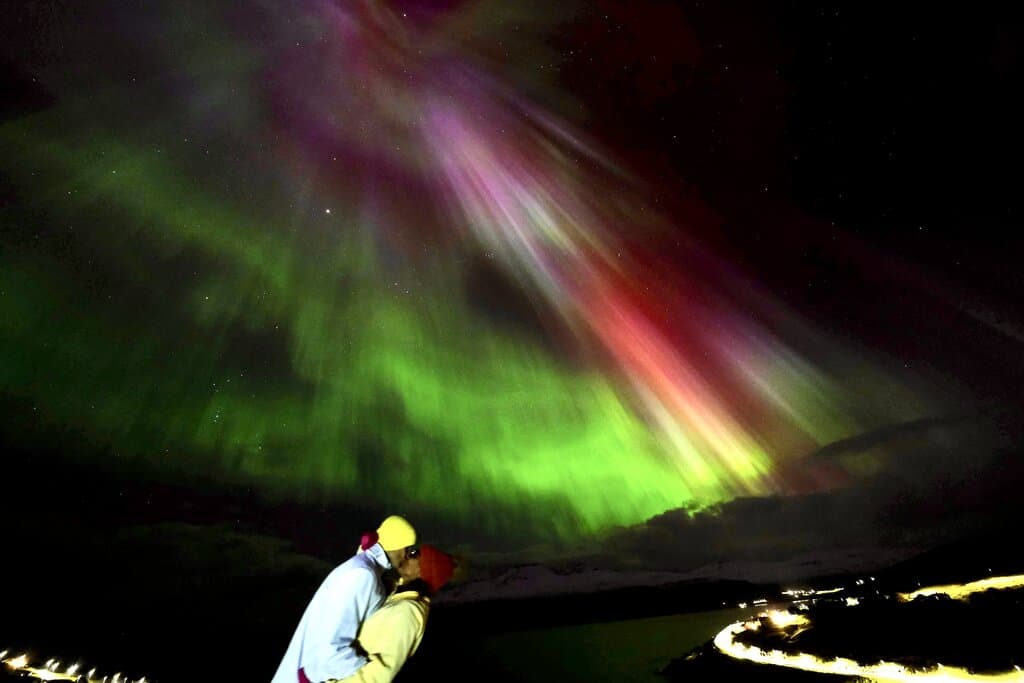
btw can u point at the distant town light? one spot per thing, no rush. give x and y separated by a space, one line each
784 619
51 671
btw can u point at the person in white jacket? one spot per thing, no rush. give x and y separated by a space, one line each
324 645
393 633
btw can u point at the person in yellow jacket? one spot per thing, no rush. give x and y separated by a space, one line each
392 633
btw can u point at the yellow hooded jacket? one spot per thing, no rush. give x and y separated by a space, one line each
390 636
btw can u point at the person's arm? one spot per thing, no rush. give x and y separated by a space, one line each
401 631
331 651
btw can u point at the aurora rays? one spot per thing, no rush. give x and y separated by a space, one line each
499 416
267 279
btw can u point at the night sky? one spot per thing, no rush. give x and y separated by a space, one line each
650 282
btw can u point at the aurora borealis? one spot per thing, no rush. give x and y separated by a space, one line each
339 251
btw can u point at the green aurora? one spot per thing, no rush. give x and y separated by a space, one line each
383 392
205 312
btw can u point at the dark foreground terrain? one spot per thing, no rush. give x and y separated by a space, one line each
215 594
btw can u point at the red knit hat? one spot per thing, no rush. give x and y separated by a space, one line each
436 567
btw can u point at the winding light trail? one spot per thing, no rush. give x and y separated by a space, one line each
961 591
885 672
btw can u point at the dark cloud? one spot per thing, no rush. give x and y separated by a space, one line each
210 554
915 485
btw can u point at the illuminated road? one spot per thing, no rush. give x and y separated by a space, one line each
961 591
885 672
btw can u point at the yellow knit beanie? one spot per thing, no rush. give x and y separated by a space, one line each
394 533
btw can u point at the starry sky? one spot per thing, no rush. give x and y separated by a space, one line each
533 273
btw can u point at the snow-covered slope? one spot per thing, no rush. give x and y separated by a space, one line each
537 580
